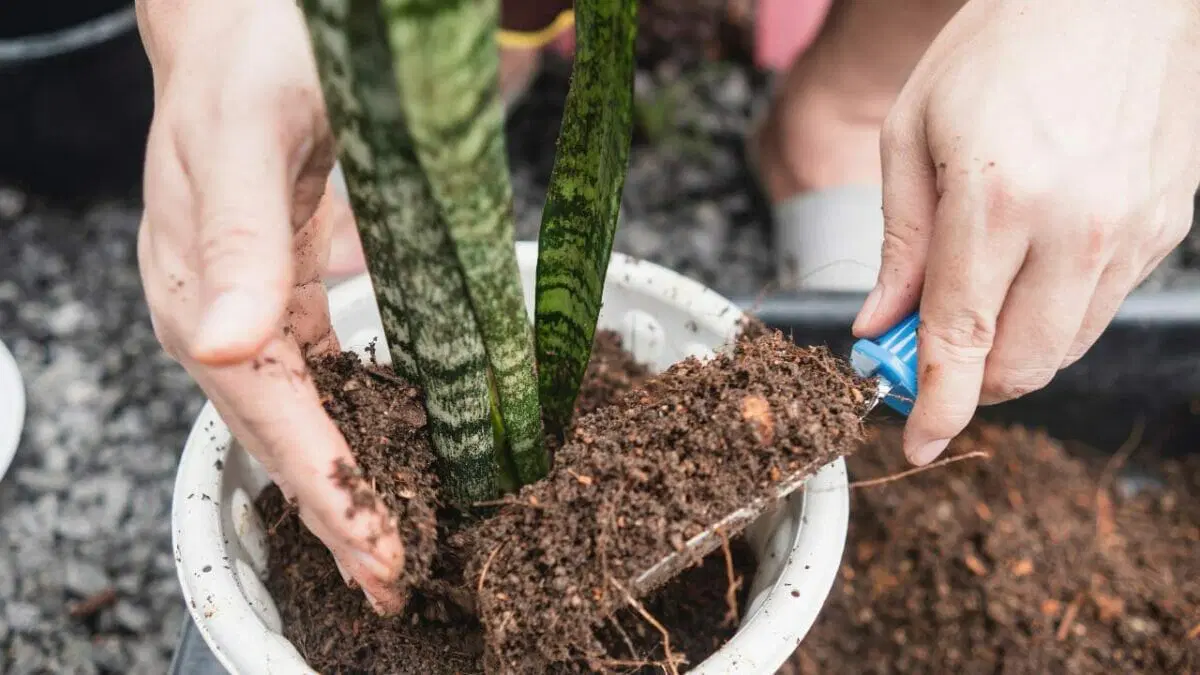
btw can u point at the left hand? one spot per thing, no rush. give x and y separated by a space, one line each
1039 163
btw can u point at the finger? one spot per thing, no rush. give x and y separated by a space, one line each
244 253
257 149
1111 290
308 319
1041 316
345 253
909 203
974 254
1121 277
272 407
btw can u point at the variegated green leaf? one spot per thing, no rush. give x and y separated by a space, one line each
583 202
431 328
446 65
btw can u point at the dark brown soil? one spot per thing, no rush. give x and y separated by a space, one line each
1025 563
611 372
337 633
335 630
635 480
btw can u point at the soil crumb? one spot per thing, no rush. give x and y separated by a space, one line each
636 479
1030 562
336 631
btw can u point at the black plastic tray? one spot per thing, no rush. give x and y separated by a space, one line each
1145 367
76 98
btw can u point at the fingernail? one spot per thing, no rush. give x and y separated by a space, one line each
868 310
225 320
350 582
928 452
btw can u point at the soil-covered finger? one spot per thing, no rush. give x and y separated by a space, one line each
389 482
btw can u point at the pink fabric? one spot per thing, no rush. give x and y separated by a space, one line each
782 30
785 28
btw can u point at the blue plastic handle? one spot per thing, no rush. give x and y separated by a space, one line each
893 358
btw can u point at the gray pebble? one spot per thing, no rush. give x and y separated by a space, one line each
22 616
131 616
84 578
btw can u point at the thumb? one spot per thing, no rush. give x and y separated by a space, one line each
245 258
909 203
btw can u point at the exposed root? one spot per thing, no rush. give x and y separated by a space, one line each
1064 628
386 377
669 658
735 582
532 503
486 565
288 509
920 469
1105 523
631 665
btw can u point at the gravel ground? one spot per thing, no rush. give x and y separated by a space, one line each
86 505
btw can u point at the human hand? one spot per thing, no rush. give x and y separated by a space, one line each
1039 163
232 245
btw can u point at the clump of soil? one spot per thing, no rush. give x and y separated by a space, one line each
637 479
337 632
383 420
1030 562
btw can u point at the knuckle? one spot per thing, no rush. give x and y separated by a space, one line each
228 238
900 239
940 418
892 133
1014 193
1004 383
966 335
1172 229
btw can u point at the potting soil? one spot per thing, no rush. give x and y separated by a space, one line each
750 417
1034 561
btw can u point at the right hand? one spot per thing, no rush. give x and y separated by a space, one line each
233 243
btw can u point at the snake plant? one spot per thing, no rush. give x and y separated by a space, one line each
412 93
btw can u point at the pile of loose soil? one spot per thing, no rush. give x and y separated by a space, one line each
1030 562
637 479
337 632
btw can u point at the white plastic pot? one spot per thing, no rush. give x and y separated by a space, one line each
220 546
12 408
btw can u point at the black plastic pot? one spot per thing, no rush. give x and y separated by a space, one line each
1145 368
76 97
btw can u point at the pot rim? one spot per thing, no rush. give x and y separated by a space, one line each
795 573
12 408
40 46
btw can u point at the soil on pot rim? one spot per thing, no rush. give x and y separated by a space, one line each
635 480
762 412
1034 561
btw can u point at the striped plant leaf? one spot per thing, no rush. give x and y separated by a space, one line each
584 200
410 255
446 65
